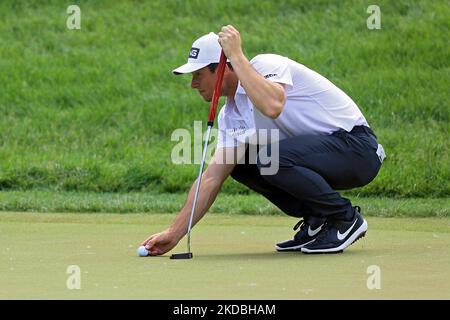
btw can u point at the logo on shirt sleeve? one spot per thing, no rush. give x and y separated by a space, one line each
270 75
194 53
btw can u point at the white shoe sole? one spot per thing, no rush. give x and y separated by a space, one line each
294 248
361 232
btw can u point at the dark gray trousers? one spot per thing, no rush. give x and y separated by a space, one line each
311 168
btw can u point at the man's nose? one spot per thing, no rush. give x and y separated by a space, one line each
194 84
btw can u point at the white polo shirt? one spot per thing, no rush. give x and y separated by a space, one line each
313 105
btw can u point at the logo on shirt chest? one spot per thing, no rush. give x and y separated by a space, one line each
270 75
236 131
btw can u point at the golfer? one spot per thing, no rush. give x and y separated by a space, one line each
322 143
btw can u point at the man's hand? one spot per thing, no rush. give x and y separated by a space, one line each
267 96
230 40
160 243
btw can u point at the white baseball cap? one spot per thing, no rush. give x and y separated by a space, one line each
205 50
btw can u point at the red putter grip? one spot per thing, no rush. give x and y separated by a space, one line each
217 89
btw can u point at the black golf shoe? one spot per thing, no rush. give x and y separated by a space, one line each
306 235
338 234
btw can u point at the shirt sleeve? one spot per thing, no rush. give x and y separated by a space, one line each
273 67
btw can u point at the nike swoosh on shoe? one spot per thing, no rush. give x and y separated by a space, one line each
312 233
342 236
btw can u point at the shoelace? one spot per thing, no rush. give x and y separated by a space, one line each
300 224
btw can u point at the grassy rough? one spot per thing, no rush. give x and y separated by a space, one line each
94 109
138 202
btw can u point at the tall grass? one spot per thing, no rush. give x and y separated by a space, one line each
94 109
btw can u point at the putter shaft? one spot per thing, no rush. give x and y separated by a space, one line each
199 179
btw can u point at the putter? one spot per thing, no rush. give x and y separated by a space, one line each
211 117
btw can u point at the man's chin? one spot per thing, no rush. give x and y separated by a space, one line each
207 99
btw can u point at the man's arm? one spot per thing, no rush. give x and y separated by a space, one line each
218 170
269 97
212 180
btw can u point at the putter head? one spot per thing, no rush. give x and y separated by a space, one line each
186 255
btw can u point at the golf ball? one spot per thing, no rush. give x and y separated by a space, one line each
142 252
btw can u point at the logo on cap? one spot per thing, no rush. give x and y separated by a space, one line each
194 53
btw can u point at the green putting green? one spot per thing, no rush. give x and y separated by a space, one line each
234 258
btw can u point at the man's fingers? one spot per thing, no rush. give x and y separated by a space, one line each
153 248
228 30
150 243
232 29
154 251
148 239
228 36
145 241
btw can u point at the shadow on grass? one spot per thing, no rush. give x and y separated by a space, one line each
272 255
246 256
252 256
